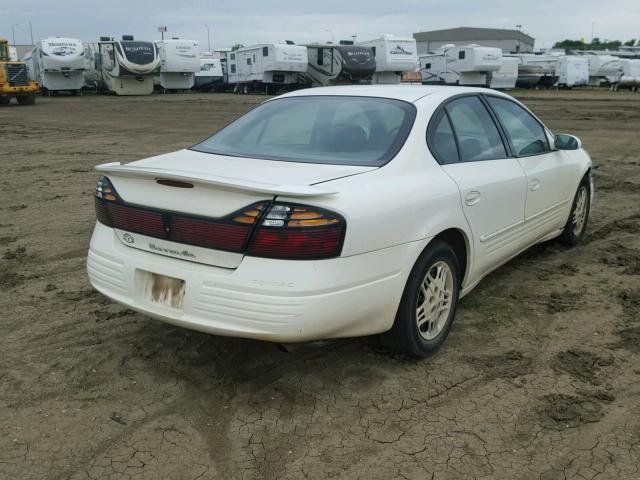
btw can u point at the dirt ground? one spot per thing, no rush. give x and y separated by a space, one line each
539 379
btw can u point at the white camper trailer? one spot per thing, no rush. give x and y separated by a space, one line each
536 71
393 56
331 64
179 62
630 74
124 67
275 65
603 69
58 64
506 76
211 74
572 71
460 65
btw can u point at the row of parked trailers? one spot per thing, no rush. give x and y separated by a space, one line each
476 65
132 67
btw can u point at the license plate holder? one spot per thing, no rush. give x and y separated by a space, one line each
164 290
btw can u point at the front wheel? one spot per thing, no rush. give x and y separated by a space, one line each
428 305
577 222
26 99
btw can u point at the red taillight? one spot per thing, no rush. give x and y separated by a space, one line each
136 220
312 243
298 232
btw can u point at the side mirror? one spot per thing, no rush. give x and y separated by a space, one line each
564 141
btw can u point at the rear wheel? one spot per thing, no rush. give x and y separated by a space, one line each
26 99
428 304
577 222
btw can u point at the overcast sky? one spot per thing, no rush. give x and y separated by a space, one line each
253 21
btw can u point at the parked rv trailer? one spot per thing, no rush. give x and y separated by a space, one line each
58 64
506 76
630 74
536 71
211 75
393 56
179 62
331 64
460 65
267 67
603 69
572 71
123 67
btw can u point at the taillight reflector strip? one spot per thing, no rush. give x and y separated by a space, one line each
210 234
136 220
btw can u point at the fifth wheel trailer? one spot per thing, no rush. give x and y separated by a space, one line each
58 64
460 65
393 56
179 62
572 71
275 65
331 64
123 67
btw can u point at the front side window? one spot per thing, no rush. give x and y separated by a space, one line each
478 137
526 134
339 130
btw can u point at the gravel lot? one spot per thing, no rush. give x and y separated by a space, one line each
540 378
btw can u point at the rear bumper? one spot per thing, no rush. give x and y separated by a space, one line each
264 299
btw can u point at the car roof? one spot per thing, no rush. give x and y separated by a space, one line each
407 93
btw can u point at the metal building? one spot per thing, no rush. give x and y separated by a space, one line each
510 41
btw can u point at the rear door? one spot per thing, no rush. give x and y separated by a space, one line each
549 175
467 143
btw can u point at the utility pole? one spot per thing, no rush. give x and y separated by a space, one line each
208 37
30 31
13 30
519 27
331 32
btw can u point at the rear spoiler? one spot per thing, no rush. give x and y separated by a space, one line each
215 180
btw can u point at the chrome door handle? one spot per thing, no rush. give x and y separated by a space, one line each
472 197
534 185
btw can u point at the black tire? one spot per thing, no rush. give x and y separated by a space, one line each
571 235
26 99
405 337
5 100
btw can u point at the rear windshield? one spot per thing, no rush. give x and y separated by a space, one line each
337 130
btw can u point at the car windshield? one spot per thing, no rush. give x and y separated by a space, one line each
339 130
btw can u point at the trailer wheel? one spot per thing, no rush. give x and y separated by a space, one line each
26 99
5 100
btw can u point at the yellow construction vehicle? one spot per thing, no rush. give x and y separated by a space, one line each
14 81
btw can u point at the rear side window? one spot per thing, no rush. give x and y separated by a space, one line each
478 137
526 134
442 141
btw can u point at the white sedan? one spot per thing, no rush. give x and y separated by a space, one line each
338 212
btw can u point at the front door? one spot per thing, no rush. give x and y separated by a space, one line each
549 174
